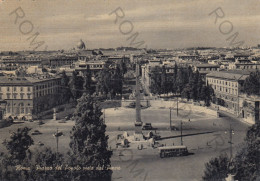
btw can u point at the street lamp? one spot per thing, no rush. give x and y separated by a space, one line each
231 132
181 133
57 135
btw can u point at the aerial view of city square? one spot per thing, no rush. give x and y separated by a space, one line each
148 90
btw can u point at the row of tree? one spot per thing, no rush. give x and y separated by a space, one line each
88 148
108 82
182 81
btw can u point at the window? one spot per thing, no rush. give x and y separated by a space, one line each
8 88
29 96
21 95
0 89
8 96
14 88
14 96
21 89
28 89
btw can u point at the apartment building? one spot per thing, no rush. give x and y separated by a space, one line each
204 69
147 70
58 61
26 96
227 87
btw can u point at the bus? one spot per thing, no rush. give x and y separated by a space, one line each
171 151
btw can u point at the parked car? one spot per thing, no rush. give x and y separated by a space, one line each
40 143
147 126
68 117
62 121
137 123
40 122
36 132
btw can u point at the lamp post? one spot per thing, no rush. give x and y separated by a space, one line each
231 132
171 118
181 133
57 135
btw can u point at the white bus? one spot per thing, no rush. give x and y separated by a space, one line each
171 151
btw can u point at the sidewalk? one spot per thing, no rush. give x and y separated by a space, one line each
234 117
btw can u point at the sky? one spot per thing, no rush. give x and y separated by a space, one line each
172 24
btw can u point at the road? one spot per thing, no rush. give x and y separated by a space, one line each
146 164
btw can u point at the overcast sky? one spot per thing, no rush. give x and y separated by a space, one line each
160 23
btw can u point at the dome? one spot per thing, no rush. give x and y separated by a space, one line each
81 45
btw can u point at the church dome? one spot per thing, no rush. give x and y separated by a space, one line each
81 45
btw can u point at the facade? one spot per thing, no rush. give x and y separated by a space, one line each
250 108
93 66
227 86
59 61
11 62
244 66
28 95
204 69
147 70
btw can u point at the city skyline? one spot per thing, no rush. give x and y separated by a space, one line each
164 24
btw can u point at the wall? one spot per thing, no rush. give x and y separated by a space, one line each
125 103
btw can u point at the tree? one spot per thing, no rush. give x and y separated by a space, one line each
104 81
216 169
252 84
163 80
88 140
46 158
122 65
117 80
18 154
174 84
200 85
65 90
88 82
246 163
156 86
19 143
180 82
76 85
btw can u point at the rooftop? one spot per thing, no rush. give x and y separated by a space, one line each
206 65
230 75
4 80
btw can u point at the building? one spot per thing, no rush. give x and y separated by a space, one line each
244 64
147 70
93 66
27 96
12 63
58 61
228 88
206 68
